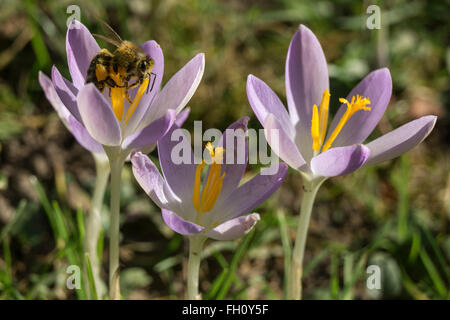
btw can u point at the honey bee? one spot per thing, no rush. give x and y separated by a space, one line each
126 67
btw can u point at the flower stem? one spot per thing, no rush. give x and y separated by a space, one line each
310 188
93 223
195 250
114 229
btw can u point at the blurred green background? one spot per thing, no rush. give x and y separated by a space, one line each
395 215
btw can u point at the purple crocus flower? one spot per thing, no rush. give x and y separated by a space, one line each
303 140
301 137
107 121
96 120
218 209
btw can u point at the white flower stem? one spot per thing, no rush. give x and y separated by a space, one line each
310 188
116 164
195 250
93 223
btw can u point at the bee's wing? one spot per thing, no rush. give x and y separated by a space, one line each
113 37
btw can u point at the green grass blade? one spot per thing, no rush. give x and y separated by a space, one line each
240 251
334 276
92 287
215 286
80 228
434 274
16 217
287 250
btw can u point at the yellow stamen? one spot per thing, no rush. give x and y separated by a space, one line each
324 104
196 193
136 99
204 201
360 103
117 97
315 129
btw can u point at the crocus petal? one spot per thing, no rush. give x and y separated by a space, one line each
251 194
152 133
234 228
179 225
234 167
377 86
339 161
76 128
180 176
66 92
400 140
98 117
306 80
83 137
153 50
53 97
182 117
149 178
281 144
81 47
177 92
264 101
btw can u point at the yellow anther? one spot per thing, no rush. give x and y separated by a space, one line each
358 103
323 116
204 201
196 193
118 100
137 99
210 148
319 121
315 129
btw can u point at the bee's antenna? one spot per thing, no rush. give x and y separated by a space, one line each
154 80
109 28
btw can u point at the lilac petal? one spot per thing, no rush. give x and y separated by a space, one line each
234 167
53 97
152 133
234 228
83 137
66 92
306 80
400 140
182 116
377 86
339 161
281 144
79 132
149 178
179 176
98 116
252 193
177 92
264 101
179 225
81 47
153 50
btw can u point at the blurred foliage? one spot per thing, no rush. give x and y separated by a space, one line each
396 214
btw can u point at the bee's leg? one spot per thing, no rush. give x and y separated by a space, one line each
127 96
153 83
109 92
134 85
110 82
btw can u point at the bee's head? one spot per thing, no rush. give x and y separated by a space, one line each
146 66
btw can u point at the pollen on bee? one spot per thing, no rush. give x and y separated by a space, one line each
101 72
